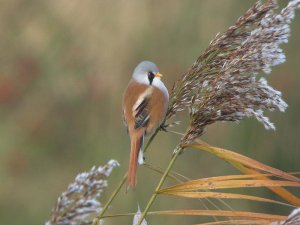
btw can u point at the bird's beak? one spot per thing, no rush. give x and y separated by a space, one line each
159 75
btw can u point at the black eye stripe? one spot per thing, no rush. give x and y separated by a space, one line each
151 77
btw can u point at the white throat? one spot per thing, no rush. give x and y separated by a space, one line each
157 83
145 72
160 85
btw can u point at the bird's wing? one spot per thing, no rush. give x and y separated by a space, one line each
141 114
141 110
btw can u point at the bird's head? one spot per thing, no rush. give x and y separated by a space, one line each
146 72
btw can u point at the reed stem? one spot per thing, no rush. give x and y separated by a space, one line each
118 188
163 178
111 198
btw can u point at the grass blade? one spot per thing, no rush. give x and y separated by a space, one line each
244 160
234 222
280 191
223 213
219 195
249 166
225 184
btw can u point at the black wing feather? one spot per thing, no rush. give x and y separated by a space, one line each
141 114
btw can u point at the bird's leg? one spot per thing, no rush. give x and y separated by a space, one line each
163 127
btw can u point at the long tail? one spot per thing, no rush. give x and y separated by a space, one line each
136 144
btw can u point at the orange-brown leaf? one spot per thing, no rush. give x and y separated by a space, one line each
220 195
224 213
262 222
226 177
244 160
224 184
280 191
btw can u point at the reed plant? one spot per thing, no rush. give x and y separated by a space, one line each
227 82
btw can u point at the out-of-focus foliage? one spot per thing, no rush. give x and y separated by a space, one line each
63 68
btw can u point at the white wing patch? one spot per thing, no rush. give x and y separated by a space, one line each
142 97
140 109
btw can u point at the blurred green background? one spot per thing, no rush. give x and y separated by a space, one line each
63 68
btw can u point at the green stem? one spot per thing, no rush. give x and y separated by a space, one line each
116 191
151 139
163 178
114 194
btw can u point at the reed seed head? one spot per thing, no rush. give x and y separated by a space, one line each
223 83
79 203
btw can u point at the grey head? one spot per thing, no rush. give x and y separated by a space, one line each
146 72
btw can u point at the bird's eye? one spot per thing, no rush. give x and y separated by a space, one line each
150 74
151 77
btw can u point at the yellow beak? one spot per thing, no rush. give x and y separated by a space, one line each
159 75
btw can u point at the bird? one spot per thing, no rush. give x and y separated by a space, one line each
145 105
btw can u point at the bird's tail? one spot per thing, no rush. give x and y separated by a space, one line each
136 145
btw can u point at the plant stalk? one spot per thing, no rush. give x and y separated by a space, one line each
111 198
151 139
122 182
163 178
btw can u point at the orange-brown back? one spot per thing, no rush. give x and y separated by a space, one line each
157 105
144 109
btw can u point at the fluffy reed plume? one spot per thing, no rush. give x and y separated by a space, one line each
222 84
79 203
293 219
